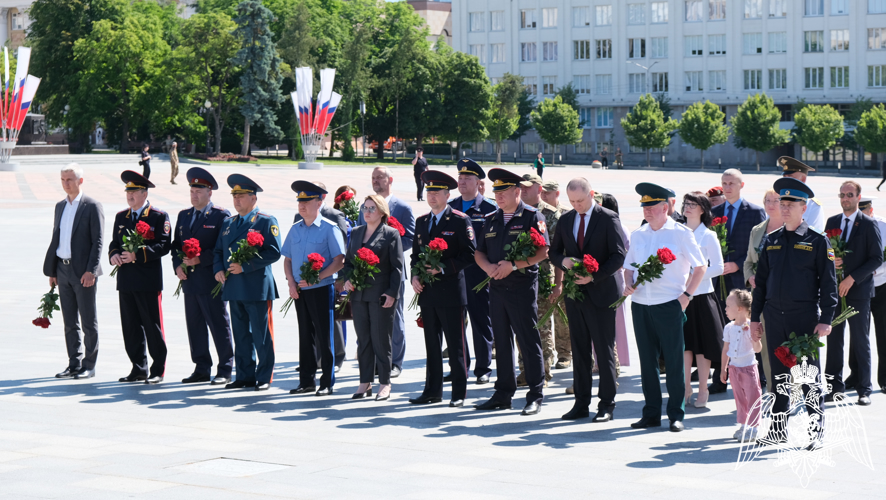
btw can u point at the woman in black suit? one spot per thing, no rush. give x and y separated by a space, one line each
373 307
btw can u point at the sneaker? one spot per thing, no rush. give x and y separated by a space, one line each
749 435
739 432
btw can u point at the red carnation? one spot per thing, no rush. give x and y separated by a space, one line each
833 233
665 255
590 263
255 239
394 223
787 358
537 239
438 244
367 256
143 228
41 322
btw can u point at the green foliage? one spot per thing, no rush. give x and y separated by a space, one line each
503 117
702 126
756 125
664 102
858 108
818 127
556 122
525 105
467 95
646 127
870 132
569 95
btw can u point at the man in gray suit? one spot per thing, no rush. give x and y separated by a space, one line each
73 263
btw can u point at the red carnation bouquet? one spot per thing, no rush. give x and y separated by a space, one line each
587 267
718 225
348 206
310 272
798 346
48 303
135 240
840 251
365 265
247 248
429 258
650 270
394 223
190 249
525 246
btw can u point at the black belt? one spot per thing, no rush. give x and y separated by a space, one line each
66 262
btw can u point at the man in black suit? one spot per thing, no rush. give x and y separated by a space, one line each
419 167
203 221
73 262
592 230
864 255
443 300
140 280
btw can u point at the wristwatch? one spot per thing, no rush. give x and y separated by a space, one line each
513 266
688 295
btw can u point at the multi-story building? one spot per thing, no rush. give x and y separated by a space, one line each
13 22
821 51
438 15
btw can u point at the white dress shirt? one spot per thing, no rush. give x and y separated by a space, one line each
880 273
847 230
814 216
645 242
578 221
66 227
713 256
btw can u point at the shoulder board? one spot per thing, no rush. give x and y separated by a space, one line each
220 209
815 200
460 214
531 209
263 214
490 214
230 217
816 231
162 212
123 211
424 215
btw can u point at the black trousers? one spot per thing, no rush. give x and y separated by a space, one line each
448 321
514 315
146 169
592 325
374 325
878 311
481 326
540 171
419 187
859 346
315 333
141 318
78 304
659 332
202 310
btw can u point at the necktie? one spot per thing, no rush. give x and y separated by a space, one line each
581 232
134 215
433 223
729 218
194 219
845 230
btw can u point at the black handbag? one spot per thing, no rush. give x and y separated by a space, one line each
342 313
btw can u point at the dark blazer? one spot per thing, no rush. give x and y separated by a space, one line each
333 215
401 211
865 256
256 282
456 230
146 273
385 242
86 238
207 227
604 241
748 216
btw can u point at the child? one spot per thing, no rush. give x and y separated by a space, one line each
740 363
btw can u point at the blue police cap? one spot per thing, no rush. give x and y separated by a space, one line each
240 184
653 194
199 177
135 181
307 190
792 189
469 167
503 180
435 180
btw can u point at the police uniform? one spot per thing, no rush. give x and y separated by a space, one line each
140 284
201 308
796 287
251 293
512 300
478 302
813 216
443 301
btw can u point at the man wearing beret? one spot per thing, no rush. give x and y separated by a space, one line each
203 222
250 288
140 280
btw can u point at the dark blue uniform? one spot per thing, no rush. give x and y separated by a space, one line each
201 308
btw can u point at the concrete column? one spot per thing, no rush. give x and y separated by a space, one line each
4 26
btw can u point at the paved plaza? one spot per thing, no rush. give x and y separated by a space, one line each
98 438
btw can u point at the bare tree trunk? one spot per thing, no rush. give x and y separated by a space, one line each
244 150
702 159
124 136
218 132
498 152
757 156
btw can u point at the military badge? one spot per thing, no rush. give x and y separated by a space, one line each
166 227
830 253
471 232
542 227
275 231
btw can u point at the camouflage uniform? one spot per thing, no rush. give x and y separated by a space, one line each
562 342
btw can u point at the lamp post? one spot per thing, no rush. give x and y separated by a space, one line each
363 129
207 106
644 67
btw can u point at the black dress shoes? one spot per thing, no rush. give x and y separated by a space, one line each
337 368
84 374
447 377
603 415
263 386
493 405
456 403
532 408
133 378
68 373
676 426
483 379
154 380
324 391
218 380
426 400
717 388
645 422
851 381
576 413
240 384
303 389
862 400
195 378
829 397
395 371
361 395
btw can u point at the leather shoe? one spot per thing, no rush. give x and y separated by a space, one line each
603 416
484 379
492 404
447 377
263 386
883 389
676 426
323 391
84 374
361 395
562 364
532 408
645 422
576 413
240 384
829 397
133 378
303 389
717 388
456 403
425 400
395 371
194 378
851 381
68 373
445 353
862 400
154 380
219 380
337 368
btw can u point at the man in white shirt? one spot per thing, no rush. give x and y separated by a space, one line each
657 307
878 302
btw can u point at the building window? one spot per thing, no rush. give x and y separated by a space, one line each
778 79
814 78
636 48
839 77
604 118
874 7
478 21
528 52
717 10
581 50
548 18
636 13
694 81
839 7
659 12
604 49
494 80
717 80
549 85
498 52
694 11
752 43
604 15
778 8
778 42
582 84
694 45
497 20
530 148
603 84
478 52
584 148
753 9
527 19
659 47
753 79
839 40
877 38
581 16
531 84
717 45
549 51
877 76
659 82
814 7
637 83
584 118
813 41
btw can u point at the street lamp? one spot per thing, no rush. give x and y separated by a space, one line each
644 67
363 128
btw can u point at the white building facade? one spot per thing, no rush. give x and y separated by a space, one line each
822 51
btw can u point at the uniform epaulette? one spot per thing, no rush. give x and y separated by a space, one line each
815 200
460 214
216 207
230 217
124 210
261 213
423 215
490 214
531 209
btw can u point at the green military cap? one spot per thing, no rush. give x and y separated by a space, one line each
530 179
551 186
652 194
790 165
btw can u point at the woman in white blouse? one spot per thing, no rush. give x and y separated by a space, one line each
704 318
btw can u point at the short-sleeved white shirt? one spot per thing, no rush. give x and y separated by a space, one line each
741 347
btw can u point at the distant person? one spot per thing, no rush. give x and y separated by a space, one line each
173 161
884 175
618 158
146 162
419 165
604 159
539 164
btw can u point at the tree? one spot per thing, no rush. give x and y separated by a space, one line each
401 66
525 105
261 78
870 132
818 127
504 118
556 122
466 99
645 125
664 102
756 125
702 126
569 95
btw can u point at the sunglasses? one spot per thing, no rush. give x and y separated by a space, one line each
846 195
369 210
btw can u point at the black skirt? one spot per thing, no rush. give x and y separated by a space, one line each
703 330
